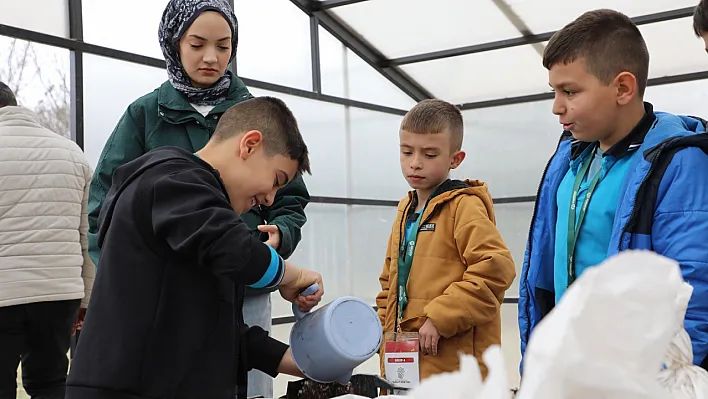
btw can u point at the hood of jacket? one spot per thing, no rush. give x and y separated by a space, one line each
449 190
130 171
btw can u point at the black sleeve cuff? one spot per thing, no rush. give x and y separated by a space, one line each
263 352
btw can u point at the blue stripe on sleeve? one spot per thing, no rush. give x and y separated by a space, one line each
274 274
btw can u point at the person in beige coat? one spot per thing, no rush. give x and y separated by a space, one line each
45 271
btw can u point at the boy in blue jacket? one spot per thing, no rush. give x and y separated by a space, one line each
623 176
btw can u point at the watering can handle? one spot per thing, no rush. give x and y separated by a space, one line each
307 291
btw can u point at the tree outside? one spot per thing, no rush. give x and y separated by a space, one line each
40 80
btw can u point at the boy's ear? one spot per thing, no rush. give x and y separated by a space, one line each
249 142
457 159
627 88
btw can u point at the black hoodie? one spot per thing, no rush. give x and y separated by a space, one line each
165 319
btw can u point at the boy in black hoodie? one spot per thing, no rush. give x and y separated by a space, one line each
165 318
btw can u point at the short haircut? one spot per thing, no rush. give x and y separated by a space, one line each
275 121
608 41
7 97
435 116
700 18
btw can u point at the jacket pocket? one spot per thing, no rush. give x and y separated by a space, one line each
414 316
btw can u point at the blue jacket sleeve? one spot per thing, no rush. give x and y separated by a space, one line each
679 232
524 322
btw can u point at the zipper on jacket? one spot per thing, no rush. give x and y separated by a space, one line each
633 215
529 241
400 240
398 254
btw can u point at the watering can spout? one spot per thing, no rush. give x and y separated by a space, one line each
344 380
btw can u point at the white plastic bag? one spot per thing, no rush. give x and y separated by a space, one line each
467 382
496 386
680 377
607 337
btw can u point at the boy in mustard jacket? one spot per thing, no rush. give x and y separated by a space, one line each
446 267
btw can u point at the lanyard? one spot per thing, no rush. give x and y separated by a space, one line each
573 230
405 260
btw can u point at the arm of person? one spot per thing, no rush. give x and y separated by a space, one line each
679 232
263 352
288 213
382 297
194 217
267 354
125 144
88 269
475 299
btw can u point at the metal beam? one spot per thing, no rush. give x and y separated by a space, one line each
75 45
321 97
315 54
327 4
76 32
508 11
281 320
664 80
506 101
364 50
524 40
353 201
393 203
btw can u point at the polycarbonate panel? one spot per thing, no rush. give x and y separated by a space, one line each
405 27
323 127
513 221
332 64
369 227
549 15
688 98
323 248
274 43
511 343
46 16
106 97
490 75
366 84
674 48
375 161
128 25
39 76
509 146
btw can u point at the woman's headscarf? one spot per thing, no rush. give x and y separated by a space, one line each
176 19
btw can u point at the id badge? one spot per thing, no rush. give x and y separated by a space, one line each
401 361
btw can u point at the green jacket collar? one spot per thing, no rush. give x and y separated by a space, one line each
175 108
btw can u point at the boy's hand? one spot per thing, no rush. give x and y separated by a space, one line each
273 234
429 338
295 280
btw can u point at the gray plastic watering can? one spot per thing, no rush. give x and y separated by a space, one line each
329 343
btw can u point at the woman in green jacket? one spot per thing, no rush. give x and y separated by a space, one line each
198 40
